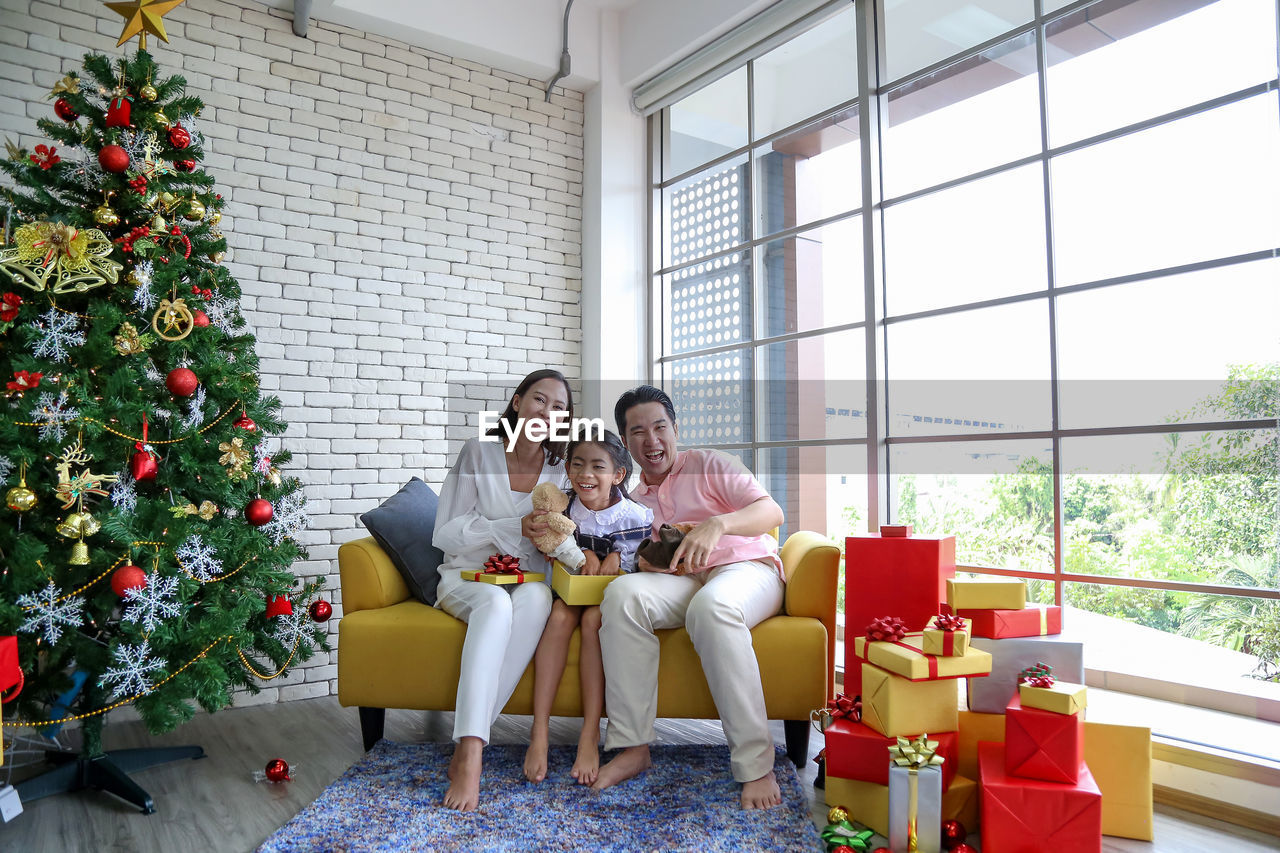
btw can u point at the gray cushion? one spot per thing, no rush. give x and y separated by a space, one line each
403 526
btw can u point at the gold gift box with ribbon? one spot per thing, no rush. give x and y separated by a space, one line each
893 705
986 594
1062 698
908 658
868 802
503 579
939 641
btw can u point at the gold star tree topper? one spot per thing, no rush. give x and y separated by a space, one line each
142 17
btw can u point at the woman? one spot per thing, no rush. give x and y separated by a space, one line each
485 509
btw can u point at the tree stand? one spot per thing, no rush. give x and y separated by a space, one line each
102 771
107 771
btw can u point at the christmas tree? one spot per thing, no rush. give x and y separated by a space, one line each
149 530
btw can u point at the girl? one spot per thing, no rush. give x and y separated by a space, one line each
611 527
485 508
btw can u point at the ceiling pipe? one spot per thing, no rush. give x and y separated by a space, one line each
302 17
564 53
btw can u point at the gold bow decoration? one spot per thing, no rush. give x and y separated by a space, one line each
236 457
73 259
914 754
207 510
69 85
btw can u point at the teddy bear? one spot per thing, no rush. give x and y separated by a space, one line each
558 542
660 551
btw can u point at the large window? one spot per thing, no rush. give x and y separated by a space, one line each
1046 235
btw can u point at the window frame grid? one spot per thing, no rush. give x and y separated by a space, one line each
872 104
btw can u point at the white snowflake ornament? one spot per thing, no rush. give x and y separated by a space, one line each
131 676
58 333
288 518
150 603
198 558
124 494
49 614
53 414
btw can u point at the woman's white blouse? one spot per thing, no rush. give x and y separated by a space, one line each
479 514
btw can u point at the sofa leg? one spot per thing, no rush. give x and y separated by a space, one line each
797 735
371 723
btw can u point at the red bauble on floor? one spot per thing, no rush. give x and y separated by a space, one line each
277 770
127 577
181 382
258 512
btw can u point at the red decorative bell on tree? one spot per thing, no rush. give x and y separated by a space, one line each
279 605
118 111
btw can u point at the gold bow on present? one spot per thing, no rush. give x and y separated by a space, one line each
914 754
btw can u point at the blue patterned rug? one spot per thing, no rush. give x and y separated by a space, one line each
390 800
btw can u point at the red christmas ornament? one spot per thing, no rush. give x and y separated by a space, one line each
143 466
279 605
246 423
258 512
181 382
953 833
118 111
113 158
278 770
881 850
65 111
9 305
963 848
184 165
842 848
179 136
200 319
127 577
320 610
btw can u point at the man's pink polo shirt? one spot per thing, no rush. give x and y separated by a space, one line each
703 483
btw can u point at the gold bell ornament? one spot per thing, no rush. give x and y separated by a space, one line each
161 119
148 92
215 217
78 525
20 498
79 554
194 211
104 215
158 223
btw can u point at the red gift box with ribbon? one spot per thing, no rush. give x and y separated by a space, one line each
857 751
503 569
1030 815
1035 621
1043 744
903 575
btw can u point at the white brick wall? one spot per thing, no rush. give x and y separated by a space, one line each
406 228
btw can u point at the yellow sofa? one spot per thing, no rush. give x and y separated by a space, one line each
396 652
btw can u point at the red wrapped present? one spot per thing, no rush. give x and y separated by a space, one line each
1035 621
10 671
901 575
857 751
1043 744
1032 816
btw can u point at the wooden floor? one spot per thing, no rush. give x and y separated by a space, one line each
214 804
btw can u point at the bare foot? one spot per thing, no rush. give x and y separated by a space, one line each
587 766
631 762
535 757
464 776
761 793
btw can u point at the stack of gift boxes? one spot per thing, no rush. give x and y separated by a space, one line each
1031 767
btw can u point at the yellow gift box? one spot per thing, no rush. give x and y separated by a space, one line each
1062 698
868 802
947 643
893 705
907 658
503 579
1119 757
986 594
579 589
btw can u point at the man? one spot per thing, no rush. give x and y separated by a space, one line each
724 578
